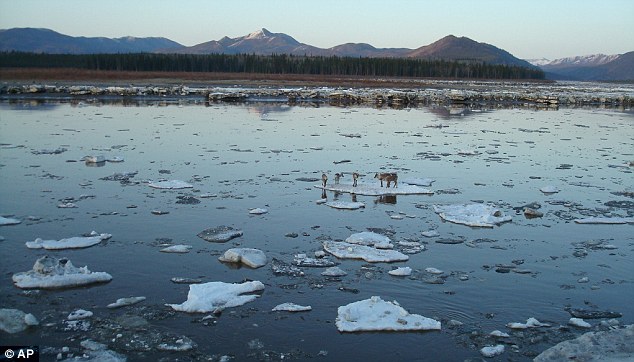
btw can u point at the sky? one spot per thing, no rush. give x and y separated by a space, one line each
534 29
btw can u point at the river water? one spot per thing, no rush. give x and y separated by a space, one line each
269 155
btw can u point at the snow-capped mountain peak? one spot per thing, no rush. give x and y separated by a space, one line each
259 34
585 60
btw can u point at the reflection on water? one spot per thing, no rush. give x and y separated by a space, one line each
235 162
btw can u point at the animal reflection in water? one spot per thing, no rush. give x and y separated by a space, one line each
386 199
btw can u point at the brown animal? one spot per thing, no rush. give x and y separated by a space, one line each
324 179
337 177
355 176
388 177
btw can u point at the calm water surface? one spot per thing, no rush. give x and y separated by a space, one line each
252 156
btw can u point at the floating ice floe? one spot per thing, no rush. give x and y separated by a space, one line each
605 220
434 271
258 211
530 323
79 314
220 234
481 215
50 273
578 322
499 334
375 314
180 345
95 351
291 307
15 320
610 345
334 271
492 351
377 190
430 233
426 182
549 189
345 205
401 272
8 221
345 250
216 296
179 248
94 159
304 260
115 159
254 258
369 238
122 302
75 242
171 184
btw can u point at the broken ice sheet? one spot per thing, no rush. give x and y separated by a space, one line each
15 320
345 250
369 238
8 221
50 273
401 272
475 214
253 258
179 248
220 234
216 296
345 205
74 242
605 220
375 314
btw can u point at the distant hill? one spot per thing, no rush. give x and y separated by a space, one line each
465 49
49 41
591 67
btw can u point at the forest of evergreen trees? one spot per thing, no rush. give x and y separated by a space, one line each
271 64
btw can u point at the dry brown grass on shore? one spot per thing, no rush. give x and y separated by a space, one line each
68 76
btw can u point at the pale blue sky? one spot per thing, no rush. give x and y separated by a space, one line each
527 29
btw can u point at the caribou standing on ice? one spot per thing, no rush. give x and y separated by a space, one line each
324 179
388 177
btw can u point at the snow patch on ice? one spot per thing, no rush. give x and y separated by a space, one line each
375 314
345 250
369 238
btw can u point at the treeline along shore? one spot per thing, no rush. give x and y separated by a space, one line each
271 64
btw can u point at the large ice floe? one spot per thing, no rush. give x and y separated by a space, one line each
291 307
375 314
170 184
74 242
50 273
369 238
253 258
377 190
8 221
611 345
476 214
216 296
15 320
605 220
345 250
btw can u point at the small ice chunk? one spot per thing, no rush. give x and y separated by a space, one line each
180 345
492 351
480 215
401 272
179 248
50 273
122 302
375 314
345 250
115 159
370 239
578 322
216 296
8 221
425 182
321 201
95 351
549 189
499 334
171 184
15 320
254 258
530 323
220 234
75 242
79 314
258 211
430 233
434 271
345 205
291 307
94 159
334 271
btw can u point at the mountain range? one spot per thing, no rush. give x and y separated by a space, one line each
595 67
